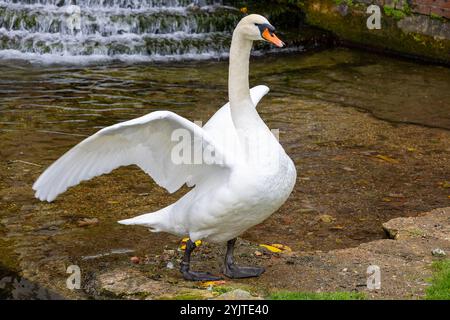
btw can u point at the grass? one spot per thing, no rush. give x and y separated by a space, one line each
286 295
440 283
222 289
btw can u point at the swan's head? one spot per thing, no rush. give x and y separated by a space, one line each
256 27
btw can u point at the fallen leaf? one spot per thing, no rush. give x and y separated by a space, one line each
282 247
386 158
87 222
208 284
446 184
258 253
276 247
386 199
338 227
348 169
326 218
184 240
410 149
270 248
396 195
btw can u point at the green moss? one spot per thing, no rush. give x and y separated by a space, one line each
407 9
188 296
347 2
416 232
391 12
440 283
287 295
9 264
352 28
222 289
9 260
436 17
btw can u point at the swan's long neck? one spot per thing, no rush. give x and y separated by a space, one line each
238 86
243 112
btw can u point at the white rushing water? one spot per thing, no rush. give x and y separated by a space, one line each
78 31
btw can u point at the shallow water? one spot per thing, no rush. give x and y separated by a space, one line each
45 110
61 99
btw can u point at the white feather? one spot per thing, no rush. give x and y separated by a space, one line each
144 141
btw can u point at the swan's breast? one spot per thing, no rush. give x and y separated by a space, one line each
265 187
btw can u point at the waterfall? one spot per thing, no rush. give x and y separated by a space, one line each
129 30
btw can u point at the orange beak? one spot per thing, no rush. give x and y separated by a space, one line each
272 38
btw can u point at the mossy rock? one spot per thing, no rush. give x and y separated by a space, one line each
351 26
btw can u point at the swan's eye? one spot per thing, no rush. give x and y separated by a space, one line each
265 26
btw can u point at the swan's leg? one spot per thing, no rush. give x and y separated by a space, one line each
234 271
185 266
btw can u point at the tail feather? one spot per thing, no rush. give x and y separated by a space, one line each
157 221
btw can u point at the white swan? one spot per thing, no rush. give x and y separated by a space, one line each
234 188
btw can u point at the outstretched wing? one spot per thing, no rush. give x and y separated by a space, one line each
146 141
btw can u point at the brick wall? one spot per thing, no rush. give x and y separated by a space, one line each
438 7
426 7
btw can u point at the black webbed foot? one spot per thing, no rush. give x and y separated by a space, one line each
193 275
237 272
199 276
234 271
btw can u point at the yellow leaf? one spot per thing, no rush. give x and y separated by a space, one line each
270 248
244 10
282 247
326 218
208 284
276 247
410 149
386 158
184 240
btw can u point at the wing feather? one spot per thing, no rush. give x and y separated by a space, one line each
145 141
